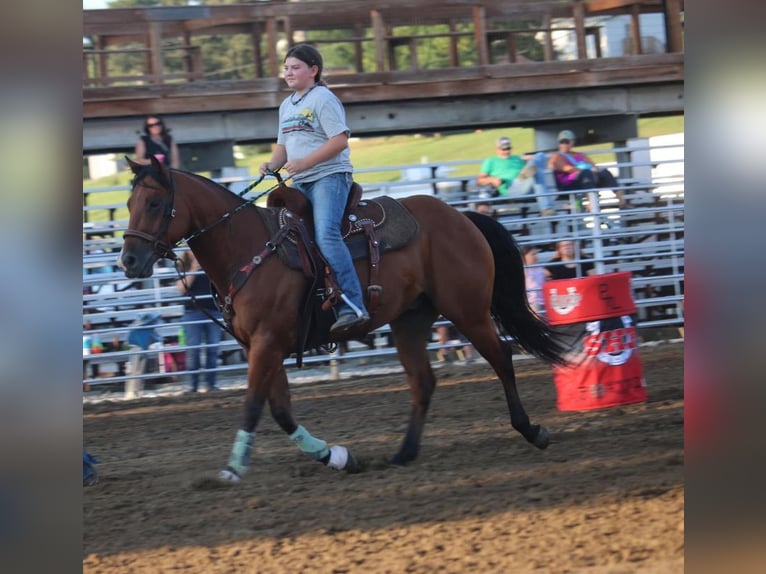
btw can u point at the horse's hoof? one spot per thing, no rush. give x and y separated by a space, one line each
227 475
353 466
543 439
399 460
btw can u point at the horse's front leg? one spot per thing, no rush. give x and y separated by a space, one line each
337 457
263 367
267 380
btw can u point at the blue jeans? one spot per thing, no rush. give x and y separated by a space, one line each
211 333
328 196
540 161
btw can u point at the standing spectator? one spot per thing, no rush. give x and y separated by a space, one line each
89 472
575 170
312 146
513 176
156 141
197 324
143 334
534 277
563 264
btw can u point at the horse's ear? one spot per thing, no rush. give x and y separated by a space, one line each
134 167
156 164
159 166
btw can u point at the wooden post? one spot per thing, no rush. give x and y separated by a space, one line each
188 58
358 51
379 34
480 34
635 29
548 47
510 46
155 51
256 31
271 35
391 48
454 55
413 53
578 11
674 40
103 68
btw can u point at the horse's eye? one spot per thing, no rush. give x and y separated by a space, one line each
154 203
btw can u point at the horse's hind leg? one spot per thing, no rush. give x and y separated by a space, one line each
411 331
499 354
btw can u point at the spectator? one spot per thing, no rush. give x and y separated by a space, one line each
312 146
485 209
446 333
143 335
513 176
575 170
534 277
197 323
563 264
156 141
89 472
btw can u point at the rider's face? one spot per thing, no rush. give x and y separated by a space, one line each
298 74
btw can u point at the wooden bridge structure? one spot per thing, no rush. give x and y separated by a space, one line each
387 86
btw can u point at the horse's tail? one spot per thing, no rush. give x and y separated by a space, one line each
509 296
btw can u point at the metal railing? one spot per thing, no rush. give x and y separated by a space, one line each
646 239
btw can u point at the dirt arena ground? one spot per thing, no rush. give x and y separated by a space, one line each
607 496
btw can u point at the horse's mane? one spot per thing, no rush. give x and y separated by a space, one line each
148 170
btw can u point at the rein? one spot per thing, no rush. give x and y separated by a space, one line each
239 208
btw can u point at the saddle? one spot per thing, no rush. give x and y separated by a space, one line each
369 228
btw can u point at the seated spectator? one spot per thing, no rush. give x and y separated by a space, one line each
534 277
513 176
446 333
485 209
575 170
563 265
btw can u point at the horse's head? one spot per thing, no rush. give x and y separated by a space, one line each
151 207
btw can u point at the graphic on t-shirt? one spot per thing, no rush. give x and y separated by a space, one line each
303 121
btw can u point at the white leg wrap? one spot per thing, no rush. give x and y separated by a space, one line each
338 457
227 476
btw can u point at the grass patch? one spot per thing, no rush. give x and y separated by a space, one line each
401 150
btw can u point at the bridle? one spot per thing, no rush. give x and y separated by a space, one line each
161 247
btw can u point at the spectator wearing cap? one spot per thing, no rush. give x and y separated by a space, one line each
513 176
575 170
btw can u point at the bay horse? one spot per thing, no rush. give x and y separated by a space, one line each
464 266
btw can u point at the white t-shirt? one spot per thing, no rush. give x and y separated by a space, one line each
306 125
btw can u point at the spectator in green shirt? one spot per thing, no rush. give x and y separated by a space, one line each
513 176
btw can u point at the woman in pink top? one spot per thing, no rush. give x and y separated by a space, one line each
575 170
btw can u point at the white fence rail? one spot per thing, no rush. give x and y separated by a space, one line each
646 239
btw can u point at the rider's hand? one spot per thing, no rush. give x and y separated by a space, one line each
295 166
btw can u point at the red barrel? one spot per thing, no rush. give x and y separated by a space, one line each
597 317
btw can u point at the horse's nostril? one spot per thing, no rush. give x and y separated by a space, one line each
128 260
